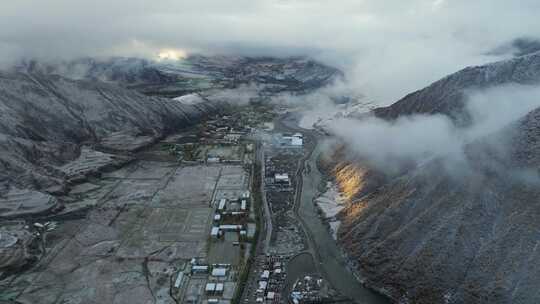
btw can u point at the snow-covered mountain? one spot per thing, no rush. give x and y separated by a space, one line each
58 121
197 73
44 121
430 235
447 96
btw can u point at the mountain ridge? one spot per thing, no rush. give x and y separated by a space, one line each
45 120
449 94
465 235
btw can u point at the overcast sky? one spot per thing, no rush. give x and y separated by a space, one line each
387 48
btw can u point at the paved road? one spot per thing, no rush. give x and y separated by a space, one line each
266 208
265 235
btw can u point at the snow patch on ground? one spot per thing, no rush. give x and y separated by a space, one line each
322 115
190 99
334 226
331 203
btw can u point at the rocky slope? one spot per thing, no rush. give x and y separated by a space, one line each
45 120
125 71
467 235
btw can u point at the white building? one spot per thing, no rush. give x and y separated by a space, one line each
213 159
199 269
222 203
179 279
219 272
262 286
297 140
220 287
230 227
214 232
210 288
281 178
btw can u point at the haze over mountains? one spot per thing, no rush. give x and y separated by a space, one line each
192 74
386 49
432 109
47 118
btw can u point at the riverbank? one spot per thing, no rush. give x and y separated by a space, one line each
330 203
329 258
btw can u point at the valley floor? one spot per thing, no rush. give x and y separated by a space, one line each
178 224
327 255
148 230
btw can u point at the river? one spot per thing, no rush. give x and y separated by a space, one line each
327 255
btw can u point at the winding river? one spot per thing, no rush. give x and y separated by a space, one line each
324 249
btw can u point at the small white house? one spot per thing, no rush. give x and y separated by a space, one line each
281 178
219 272
262 286
179 280
230 227
210 288
199 269
220 288
222 203
214 232
297 140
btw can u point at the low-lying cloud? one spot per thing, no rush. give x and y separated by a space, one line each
386 48
418 138
242 95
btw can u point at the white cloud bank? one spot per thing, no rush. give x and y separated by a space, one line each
418 138
386 47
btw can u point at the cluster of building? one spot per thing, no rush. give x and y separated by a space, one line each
230 216
217 278
271 281
228 129
276 177
41 228
285 140
307 290
280 170
282 179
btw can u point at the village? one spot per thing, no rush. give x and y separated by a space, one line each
210 210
